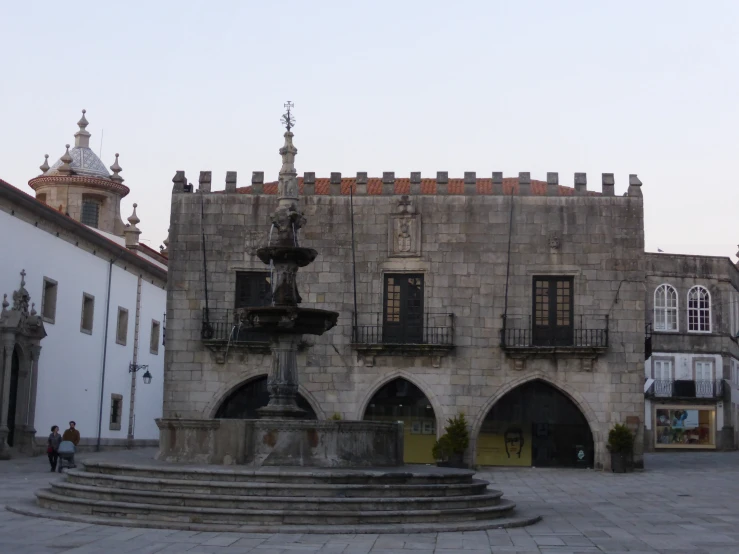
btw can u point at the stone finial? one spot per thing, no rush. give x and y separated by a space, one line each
415 182
497 187
362 182
581 184
82 137
388 182
442 182
634 186
737 255
116 169
230 181
180 182
335 184
257 182
204 181
44 167
608 184
470 182
524 183
164 249
21 297
33 309
66 159
309 183
5 304
131 232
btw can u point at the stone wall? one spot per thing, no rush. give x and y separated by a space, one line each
460 242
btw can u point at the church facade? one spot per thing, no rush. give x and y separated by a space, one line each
517 302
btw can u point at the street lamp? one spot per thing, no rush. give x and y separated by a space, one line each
133 368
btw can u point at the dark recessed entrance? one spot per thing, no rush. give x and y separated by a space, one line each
13 398
402 401
244 402
535 425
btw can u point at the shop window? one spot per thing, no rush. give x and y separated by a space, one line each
154 338
90 212
116 412
685 427
88 312
699 310
403 309
122 328
665 308
553 307
48 300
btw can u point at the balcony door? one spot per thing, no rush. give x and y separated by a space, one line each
662 373
253 290
403 310
553 306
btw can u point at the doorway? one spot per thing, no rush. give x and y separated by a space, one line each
13 398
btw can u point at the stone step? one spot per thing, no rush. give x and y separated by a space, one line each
95 493
271 489
517 520
391 476
186 514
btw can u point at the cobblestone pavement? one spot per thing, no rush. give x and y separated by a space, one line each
683 503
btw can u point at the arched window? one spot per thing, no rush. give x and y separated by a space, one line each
665 308
699 310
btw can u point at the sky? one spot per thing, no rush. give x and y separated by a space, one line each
650 88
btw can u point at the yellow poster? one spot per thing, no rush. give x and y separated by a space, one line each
504 445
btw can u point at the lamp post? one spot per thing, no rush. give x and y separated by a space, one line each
133 368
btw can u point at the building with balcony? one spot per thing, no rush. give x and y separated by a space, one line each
692 366
518 302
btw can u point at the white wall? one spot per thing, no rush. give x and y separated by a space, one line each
683 364
70 367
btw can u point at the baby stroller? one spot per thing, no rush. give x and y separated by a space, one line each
66 455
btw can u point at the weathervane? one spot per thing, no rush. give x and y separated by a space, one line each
288 120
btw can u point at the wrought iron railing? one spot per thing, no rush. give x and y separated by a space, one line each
684 388
430 329
224 326
519 333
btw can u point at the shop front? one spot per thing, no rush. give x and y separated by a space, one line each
684 426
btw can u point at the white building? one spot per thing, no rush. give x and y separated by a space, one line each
96 309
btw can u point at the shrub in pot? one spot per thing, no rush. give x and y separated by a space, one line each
450 448
621 447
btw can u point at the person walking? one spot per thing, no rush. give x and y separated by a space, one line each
72 435
55 440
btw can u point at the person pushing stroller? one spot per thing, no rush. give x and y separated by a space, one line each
70 435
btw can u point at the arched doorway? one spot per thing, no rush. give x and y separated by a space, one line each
252 395
535 424
402 401
13 398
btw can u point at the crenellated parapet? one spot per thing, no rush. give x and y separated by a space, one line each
441 184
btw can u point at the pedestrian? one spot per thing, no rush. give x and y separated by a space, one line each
52 450
72 435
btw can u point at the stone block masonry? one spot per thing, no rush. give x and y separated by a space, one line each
457 234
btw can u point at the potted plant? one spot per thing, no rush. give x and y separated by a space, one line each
449 450
621 447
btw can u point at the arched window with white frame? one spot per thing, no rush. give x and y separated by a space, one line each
665 308
699 310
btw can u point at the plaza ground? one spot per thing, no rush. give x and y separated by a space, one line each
684 502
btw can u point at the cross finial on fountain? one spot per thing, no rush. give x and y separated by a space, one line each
287 119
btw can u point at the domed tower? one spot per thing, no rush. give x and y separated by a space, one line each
79 185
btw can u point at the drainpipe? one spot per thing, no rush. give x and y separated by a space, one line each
105 354
131 408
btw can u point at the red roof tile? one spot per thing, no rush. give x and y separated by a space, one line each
428 186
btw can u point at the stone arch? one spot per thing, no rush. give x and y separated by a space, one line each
574 396
399 374
229 388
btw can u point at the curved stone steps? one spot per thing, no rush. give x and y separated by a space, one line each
420 475
34 510
186 514
195 500
271 489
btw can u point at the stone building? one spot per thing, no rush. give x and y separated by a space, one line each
692 372
518 302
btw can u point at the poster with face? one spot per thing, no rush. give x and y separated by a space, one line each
681 426
513 438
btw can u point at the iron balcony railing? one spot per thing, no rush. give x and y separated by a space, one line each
520 333
429 329
223 326
684 388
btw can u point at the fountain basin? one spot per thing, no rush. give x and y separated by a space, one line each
286 254
279 442
289 320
